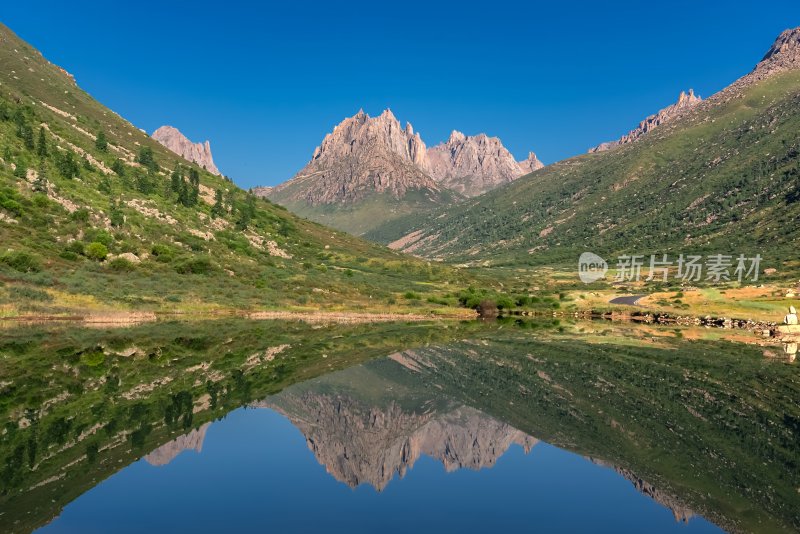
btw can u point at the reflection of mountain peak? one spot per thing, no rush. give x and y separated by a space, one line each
168 451
360 444
681 512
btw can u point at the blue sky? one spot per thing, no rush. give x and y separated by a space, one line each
265 82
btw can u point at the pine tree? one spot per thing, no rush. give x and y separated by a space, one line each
40 184
218 209
194 182
41 146
118 167
100 142
176 179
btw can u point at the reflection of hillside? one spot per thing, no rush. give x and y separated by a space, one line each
361 444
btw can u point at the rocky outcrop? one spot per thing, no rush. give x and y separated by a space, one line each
784 53
367 154
169 451
362 444
685 102
362 155
472 165
199 153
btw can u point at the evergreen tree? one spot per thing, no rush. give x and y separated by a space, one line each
41 146
105 185
118 167
146 158
246 213
218 209
40 184
67 165
115 215
100 142
194 182
183 194
176 179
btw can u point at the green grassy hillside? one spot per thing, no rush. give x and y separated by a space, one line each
376 211
94 214
723 179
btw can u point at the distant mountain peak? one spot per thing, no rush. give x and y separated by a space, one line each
784 52
474 164
686 100
199 153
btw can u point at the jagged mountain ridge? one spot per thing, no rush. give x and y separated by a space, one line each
361 444
199 153
473 165
370 170
685 102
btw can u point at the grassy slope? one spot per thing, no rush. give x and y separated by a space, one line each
722 181
373 213
327 268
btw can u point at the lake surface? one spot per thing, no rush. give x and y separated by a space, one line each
264 426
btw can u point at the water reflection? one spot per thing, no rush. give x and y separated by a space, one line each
703 427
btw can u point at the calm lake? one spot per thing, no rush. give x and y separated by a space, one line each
252 426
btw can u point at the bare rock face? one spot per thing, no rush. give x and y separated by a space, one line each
199 153
367 154
685 102
362 155
784 53
169 451
472 165
361 444
530 164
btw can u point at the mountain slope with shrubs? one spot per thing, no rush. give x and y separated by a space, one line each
96 215
723 177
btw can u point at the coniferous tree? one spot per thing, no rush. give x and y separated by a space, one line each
147 159
41 146
176 179
40 184
118 167
105 185
194 182
67 166
218 209
100 142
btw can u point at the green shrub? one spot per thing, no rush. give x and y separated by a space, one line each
120 265
21 293
410 295
96 251
93 358
197 265
80 215
68 255
21 261
75 247
100 236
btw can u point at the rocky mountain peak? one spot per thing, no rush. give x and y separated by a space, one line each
472 165
784 52
530 164
199 153
686 100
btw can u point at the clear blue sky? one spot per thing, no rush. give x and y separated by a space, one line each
265 82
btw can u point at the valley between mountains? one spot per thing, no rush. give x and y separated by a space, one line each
97 216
